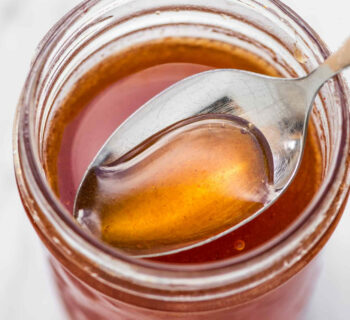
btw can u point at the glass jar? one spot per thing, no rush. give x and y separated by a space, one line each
96 282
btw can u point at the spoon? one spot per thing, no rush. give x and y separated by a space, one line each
278 108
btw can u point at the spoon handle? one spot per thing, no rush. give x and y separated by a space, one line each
340 59
335 63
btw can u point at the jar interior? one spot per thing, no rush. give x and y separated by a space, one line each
104 31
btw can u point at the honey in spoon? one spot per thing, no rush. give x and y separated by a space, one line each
187 183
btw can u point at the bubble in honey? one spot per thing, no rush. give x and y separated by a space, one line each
239 245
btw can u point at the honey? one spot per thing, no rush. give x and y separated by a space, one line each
195 181
119 85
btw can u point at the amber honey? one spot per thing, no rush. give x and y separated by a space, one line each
190 182
117 87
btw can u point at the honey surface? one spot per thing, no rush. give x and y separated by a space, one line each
113 90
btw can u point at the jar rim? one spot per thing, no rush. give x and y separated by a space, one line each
24 148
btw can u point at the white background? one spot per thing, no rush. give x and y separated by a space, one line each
26 292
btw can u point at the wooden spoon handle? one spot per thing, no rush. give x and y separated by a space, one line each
340 59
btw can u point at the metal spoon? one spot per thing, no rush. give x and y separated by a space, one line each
279 108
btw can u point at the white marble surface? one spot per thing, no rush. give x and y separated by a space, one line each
26 292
